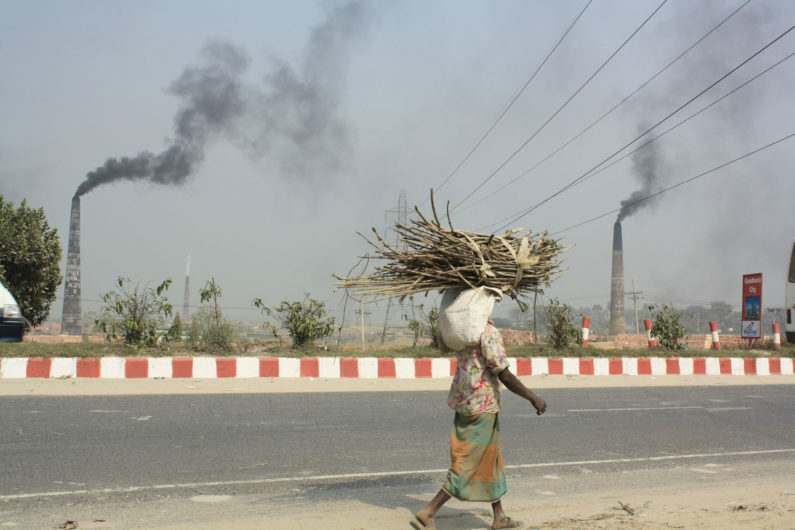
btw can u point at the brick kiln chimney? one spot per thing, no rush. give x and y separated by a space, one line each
618 324
72 313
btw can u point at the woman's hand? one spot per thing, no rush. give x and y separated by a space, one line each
539 404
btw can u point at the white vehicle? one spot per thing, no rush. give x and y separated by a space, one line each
12 325
789 297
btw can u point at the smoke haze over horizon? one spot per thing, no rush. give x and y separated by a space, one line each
260 139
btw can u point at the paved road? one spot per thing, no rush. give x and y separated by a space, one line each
337 444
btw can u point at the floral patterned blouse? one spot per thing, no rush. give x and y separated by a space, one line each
476 385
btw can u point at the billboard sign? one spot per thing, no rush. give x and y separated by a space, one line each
752 306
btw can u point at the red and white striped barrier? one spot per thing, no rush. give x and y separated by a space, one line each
713 329
586 330
647 325
373 368
777 336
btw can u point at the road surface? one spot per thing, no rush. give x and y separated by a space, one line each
369 459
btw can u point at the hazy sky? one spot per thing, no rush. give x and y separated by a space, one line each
261 136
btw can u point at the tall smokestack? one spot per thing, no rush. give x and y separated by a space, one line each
72 313
186 300
618 324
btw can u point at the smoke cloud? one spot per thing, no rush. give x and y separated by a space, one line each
292 114
646 166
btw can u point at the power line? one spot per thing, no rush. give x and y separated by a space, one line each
617 105
554 114
641 146
519 93
678 184
579 179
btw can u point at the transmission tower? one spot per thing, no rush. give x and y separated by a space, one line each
391 217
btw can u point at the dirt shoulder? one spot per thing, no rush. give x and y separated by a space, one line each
709 493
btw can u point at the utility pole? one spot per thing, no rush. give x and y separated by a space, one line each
362 312
386 320
635 295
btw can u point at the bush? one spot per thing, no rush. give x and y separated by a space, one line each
666 328
208 330
135 315
175 331
425 325
562 332
305 321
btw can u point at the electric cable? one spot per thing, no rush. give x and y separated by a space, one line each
579 179
683 121
515 97
678 184
554 114
617 105
641 146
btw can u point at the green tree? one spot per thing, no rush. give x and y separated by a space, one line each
175 331
209 331
305 321
666 328
562 330
212 291
137 315
30 253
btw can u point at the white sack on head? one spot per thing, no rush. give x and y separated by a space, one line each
463 317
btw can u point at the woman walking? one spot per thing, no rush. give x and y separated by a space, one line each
477 472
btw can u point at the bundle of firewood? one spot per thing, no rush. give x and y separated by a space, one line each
437 257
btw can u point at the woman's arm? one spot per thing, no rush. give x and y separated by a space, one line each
513 384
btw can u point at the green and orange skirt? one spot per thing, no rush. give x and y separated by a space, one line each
477 472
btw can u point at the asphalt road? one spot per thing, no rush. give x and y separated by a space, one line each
86 447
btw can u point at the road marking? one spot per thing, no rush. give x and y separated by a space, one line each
381 474
634 409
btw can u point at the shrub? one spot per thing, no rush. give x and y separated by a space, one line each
424 325
305 321
666 327
562 332
136 315
208 330
210 333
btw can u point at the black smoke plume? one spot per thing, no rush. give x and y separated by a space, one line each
646 167
292 114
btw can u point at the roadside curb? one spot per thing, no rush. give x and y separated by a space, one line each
373 367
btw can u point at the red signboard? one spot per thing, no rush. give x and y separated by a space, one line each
752 306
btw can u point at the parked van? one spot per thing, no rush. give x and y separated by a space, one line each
12 325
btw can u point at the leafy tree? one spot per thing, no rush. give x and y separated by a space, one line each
562 330
305 321
30 253
211 290
135 315
209 331
666 327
